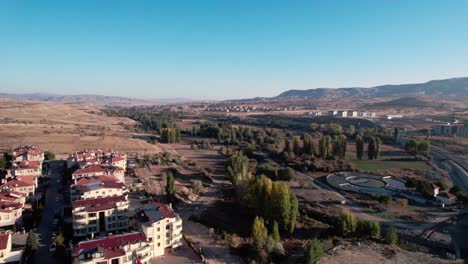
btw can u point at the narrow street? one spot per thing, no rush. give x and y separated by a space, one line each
54 201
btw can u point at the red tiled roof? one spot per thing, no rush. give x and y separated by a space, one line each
99 204
28 179
16 193
4 240
28 164
16 183
165 210
90 169
30 150
85 184
112 246
10 205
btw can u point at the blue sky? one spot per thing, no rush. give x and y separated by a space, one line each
223 49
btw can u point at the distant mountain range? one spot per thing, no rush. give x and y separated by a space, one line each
455 87
90 98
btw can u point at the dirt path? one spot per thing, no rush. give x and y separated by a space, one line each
214 252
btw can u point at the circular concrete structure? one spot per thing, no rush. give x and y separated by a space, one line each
366 183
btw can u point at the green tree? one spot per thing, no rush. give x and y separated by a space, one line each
373 149
170 186
287 146
3 162
411 146
48 155
314 251
308 145
378 142
325 147
259 233
359 147
339 146
281 205
396 134
237 168
296 145
275 233
294 211
391 236
31 242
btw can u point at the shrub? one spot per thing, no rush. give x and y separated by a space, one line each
347 223
368 228
197 186
314 251
402 202
391 236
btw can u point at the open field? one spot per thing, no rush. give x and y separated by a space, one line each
65 128
381 165
376 253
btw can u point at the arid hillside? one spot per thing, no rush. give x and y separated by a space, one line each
65 128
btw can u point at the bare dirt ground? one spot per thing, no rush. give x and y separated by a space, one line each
65 128
377 253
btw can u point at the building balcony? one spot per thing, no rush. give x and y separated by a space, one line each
79 217
143 250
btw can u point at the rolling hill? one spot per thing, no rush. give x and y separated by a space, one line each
455 87
89 98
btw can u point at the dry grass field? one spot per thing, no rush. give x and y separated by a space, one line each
65 128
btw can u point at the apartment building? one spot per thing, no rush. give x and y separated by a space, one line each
20 186
10 212
97 187
5 246
126 248
92 157
27 168
30 153
93 216
456 129
462 131
161 225
120 162
99 170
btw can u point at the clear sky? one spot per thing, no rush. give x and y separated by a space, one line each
223 49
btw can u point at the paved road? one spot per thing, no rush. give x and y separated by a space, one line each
44 231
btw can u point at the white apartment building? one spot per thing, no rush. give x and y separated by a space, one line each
129 248
97 187
21 186
93 216
30 153
99 170
162 226
10 213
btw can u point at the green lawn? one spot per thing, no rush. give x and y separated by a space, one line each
381 165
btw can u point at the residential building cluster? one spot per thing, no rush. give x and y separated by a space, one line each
19 182
450 129
110 231
249 108
7 255
343 113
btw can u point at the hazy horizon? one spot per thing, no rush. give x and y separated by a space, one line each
232 50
